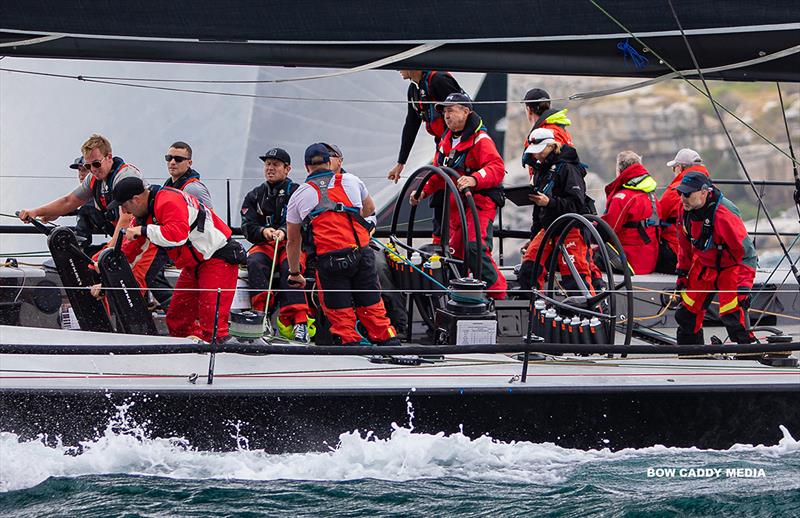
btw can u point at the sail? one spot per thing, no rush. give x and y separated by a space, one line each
515 36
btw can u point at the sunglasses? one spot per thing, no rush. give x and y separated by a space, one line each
94 165
178 159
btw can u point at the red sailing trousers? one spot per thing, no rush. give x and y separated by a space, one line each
193 312
578 254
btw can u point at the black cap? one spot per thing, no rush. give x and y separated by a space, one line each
317 154
126 189
693 182
454 99
77 163
537 95
278 154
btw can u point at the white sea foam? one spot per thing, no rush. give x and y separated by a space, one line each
124 448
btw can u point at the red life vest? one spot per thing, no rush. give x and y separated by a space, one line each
334 224
190 176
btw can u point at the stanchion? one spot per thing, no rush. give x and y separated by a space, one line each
212 359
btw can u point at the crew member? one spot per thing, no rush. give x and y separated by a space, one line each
197 241
330 207
558 187
468 148
427 88
107 171
632 211
685 161
264 224
541 115
89 219
182 176
716 256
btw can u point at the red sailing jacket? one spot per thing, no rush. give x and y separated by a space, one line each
190 232
729 246
626 207
671 206
478 158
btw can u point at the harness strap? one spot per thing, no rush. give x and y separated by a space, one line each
325 204
653 221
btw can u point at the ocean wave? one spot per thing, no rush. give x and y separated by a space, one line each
126 448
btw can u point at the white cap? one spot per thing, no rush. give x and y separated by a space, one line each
685 156
539 139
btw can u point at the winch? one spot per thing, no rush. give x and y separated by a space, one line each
468 316
246 324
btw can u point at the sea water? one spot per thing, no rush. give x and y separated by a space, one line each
396 472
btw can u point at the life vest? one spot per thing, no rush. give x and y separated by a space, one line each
190 176
425 108
324 228
457 158
199 223
705 241
274 201
646 184
102 197
547 179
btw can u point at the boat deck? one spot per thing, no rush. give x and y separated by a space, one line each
352 374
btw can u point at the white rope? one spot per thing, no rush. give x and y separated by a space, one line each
32 41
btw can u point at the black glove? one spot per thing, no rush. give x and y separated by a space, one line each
743 292
683 280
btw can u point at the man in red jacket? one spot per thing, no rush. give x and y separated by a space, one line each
427 87
685 161
716 256
632 211
468 148
197 241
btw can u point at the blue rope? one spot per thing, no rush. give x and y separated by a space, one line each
628 52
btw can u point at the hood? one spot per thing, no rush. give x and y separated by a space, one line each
557 117
645 182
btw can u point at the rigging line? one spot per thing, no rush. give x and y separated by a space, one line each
697 88
32 41
758 216
772 297
673 75
578 96
791 150
421 49
732 143
716 107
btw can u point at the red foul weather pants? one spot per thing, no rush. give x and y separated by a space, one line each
490 273
354 293
578 252
193 312
703 283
